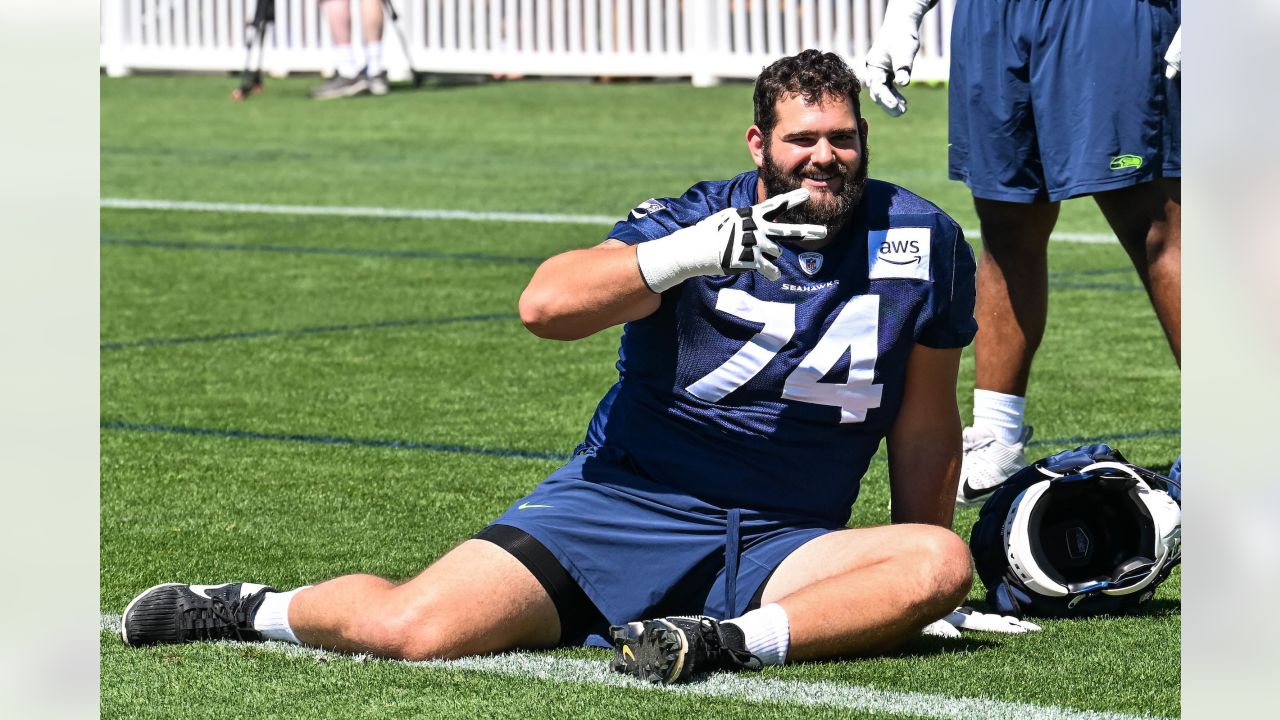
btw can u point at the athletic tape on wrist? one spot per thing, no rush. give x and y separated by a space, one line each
669 261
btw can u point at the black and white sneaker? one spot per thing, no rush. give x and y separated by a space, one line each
988 463
178 613
673 649
340 87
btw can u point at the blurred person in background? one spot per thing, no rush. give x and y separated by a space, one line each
351 80
1049 101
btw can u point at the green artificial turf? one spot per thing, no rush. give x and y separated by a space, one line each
288 398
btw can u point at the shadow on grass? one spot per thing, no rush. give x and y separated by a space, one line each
919 648
1160 608
1155 609
928 646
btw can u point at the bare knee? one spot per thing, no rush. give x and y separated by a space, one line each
1155 240
414 632
1164 242
945 568
1015 231
1147 219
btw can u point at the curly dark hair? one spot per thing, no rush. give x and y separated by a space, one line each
812 74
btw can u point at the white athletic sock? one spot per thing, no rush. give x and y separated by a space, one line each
767 631
272 618
1004 415
373 57
346 60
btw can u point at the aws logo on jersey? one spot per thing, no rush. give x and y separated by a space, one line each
901 253
648 207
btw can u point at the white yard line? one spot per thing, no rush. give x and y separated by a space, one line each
542 666
377 212
428 214
1090 238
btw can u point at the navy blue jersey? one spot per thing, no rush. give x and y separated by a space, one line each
774 396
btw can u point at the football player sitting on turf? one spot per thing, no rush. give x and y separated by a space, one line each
779 325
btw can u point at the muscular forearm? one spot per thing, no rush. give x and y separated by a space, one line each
924 443
581 292
925 475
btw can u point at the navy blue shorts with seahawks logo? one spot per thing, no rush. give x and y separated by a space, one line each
1052 100
641 550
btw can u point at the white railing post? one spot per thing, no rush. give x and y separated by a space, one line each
700 49
395 54
113 38
274 62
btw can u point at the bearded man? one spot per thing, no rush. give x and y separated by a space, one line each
778 326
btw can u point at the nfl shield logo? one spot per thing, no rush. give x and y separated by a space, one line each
810 262
647 207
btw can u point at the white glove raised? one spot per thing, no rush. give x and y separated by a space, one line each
894 52
1173 56
966 618
734 240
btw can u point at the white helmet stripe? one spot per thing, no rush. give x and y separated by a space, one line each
1110 465
1017 543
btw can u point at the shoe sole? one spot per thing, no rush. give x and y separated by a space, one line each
337 94
653 651
124 617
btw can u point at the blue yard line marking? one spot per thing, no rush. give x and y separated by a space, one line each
1067 442
313 250
1095 286
255 334
1102 271
1078 280
332 440
1073 442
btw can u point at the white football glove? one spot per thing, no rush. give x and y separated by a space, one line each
1173 56
732 241
966 618
894 52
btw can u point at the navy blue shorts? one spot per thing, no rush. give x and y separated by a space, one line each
1052 100
641 550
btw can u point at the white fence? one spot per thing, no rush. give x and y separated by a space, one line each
706 40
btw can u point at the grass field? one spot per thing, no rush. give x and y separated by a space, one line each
288 397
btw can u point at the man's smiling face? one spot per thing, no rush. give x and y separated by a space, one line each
820 147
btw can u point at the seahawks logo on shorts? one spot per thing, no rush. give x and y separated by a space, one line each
1124 162
648 207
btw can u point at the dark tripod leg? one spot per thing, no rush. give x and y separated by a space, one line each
251 80
418 76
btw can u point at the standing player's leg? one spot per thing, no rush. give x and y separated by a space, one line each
348 81
847 592
995 135
1011 310
371 23
337 14
1013 291
1147 219
478 598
